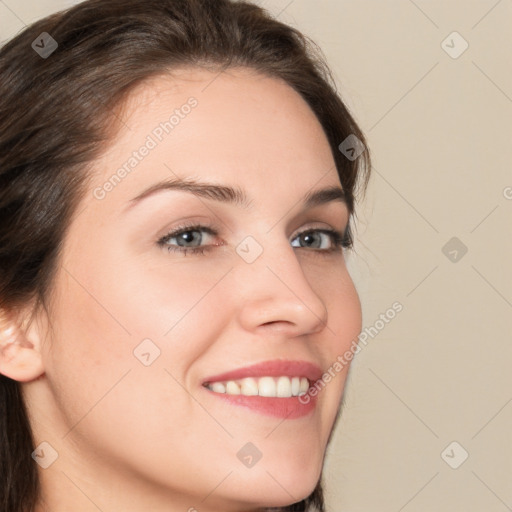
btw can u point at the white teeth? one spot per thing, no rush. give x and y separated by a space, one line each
218 387
249 387
232 388
295 386
282 387
267 386
304 386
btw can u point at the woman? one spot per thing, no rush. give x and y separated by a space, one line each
177 181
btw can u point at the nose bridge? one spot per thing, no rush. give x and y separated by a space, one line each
275 288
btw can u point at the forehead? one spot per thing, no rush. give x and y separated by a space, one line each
238 127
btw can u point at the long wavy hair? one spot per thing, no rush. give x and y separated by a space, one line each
57 114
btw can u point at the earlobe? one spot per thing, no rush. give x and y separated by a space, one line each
19 358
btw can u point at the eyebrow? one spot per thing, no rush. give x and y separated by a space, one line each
234 195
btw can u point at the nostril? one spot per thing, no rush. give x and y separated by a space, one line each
279 326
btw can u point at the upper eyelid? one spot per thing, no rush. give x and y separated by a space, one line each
213 231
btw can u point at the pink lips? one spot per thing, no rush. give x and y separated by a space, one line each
274 368
286 408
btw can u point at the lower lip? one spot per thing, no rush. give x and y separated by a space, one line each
286 408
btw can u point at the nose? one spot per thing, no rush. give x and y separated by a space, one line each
275 294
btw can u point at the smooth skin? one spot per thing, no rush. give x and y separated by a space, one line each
133 437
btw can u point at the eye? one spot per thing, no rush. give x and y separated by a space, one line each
189 240
316 238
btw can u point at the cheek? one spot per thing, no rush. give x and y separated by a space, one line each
333 284
344 323
100 386
88 352
350 316
109 317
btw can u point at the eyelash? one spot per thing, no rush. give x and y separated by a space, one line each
339 240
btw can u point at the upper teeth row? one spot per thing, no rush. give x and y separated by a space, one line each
264 386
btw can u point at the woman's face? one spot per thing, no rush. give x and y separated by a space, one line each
139 326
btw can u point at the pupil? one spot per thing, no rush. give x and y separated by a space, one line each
308 238
187 236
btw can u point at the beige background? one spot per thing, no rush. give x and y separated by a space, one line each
439 130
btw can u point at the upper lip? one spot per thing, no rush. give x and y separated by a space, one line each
273 368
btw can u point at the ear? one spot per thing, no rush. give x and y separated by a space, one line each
20 357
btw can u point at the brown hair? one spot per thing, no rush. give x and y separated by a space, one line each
58 115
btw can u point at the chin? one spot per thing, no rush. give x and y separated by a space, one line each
278 488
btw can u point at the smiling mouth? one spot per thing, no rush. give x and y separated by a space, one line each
267 386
